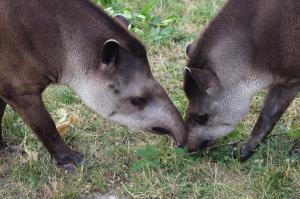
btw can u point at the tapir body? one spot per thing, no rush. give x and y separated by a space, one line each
74 43
249 46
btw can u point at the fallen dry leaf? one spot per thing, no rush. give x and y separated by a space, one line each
64 127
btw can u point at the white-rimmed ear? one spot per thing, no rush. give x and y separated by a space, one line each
121 19
187 69
110 52
206 80
188 49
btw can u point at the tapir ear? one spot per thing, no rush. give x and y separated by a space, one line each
188 49
205 79
110 52
121 19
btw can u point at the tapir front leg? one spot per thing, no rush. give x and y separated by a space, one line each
2 109
277 101
34 113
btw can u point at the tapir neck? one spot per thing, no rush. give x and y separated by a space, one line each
229 48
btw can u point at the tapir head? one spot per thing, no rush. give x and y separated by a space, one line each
122 89
219 88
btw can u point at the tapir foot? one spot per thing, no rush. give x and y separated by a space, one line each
295 150
68 159
243 153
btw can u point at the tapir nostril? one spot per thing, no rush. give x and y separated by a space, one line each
160 130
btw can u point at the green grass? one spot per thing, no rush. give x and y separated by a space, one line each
140 165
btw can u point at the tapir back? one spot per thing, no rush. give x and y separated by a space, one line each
277 36
267 30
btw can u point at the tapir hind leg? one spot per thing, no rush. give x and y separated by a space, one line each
277 101
34 113
2 109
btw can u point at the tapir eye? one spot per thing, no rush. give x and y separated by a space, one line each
202 119
138 101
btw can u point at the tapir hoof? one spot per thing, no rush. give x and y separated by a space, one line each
243 153
68 159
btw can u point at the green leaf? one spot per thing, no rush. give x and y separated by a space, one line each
105 2
110 11
294 131
149 7
181 151
141 17
139 165
139 31
148 152
154 163
127 14
156 21
168 21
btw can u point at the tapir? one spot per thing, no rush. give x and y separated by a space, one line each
249 46
75 43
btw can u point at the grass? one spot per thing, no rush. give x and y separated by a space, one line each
132 164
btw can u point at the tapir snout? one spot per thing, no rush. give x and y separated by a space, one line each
142 103
174 126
